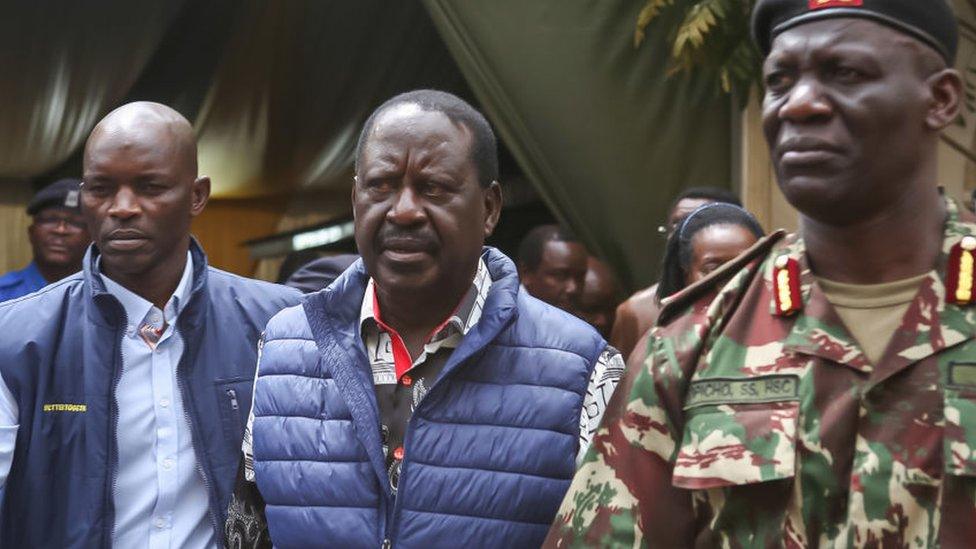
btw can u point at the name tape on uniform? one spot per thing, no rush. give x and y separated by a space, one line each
962 373
753 390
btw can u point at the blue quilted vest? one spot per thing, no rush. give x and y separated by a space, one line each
490 451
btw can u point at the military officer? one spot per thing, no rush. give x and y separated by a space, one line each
827 395
58 239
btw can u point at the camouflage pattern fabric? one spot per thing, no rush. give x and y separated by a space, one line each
746 429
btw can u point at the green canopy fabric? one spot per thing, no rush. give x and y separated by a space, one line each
279 90
597 126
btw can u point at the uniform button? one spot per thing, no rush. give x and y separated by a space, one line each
406 380
398 453
167 464
164 402
160 523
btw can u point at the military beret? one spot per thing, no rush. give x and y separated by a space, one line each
63 193
930 21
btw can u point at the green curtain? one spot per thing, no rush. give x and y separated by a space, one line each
601 131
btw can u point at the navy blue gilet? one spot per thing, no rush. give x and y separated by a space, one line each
60 356
489 452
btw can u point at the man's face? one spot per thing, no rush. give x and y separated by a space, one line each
681 210
559 278
598 302
58 237
844 112
421 216
138 199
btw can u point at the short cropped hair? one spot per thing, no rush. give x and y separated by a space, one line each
711 194
530 249
484 148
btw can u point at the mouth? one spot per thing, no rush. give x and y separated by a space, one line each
124 240
407 250
805 151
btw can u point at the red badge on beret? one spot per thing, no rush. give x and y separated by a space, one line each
821 4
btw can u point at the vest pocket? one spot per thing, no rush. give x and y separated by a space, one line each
737 444
234 402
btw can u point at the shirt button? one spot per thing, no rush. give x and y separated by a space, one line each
167 464
164 402
406 380
160 523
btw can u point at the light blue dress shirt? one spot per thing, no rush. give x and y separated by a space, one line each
161 501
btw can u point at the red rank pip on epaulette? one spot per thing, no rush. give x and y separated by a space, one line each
786 285
959 272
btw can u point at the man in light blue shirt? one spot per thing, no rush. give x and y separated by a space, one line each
124 388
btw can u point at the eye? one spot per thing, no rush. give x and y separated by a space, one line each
433 189
847 74
778 81
99 190
379 185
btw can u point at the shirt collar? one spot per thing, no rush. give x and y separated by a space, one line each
137 308
464 317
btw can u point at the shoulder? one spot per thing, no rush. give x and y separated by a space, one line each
289 323
542 325
33 316
251 292
730 279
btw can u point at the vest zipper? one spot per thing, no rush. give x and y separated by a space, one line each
386 544
113 466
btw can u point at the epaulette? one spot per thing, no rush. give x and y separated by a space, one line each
673 305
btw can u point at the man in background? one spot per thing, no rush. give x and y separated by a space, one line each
552 266
638 313
600 297
58 238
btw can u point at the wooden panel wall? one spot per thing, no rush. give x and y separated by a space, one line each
226 224
15 251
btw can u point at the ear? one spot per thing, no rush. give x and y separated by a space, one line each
352 195
493 207
946 90
200 194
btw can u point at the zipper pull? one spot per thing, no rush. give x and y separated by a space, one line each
233 399
387 544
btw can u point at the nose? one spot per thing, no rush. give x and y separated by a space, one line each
124 204
806 103
62 227
407 209
573 287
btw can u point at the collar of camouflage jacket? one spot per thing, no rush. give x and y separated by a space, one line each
930 324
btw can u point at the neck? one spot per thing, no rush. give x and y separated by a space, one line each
415 314
54 273
902 242
157 284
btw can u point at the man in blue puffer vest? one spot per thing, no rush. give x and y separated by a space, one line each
422 399
124 389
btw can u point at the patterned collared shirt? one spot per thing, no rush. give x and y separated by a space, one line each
401 383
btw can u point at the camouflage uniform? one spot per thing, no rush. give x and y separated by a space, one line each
747 429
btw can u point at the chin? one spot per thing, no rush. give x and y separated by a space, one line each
406 280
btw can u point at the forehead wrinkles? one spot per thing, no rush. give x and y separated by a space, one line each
154 149
422 139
